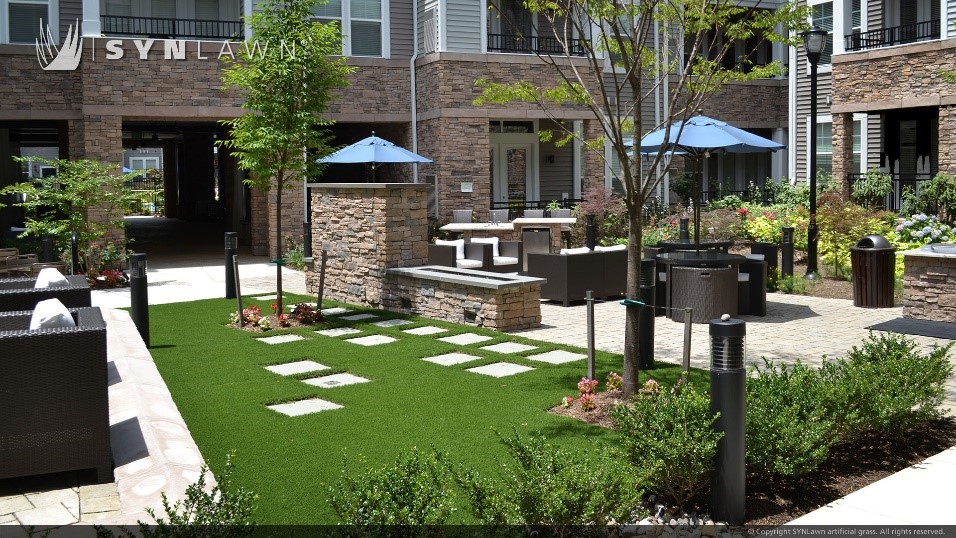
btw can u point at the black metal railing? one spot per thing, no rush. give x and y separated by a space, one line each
145 194
901 182
516 207
532 44
897 35
163 28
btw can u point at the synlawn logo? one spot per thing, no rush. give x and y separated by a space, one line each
65 58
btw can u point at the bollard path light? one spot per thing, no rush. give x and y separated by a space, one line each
139 301
728 382
232 243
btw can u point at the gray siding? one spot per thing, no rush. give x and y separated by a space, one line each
803 108
400 28
426 9
462 25
71 11
557 178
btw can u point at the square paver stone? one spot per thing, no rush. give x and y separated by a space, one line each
501 369
339 331
335 380
465 339
359 317
373 340
392 323
265 297
335 311
426 330
509 347
281 339
304 407
297 367
558 356
449 359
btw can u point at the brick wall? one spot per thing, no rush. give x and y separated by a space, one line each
929 288
907 76
366 229
750 105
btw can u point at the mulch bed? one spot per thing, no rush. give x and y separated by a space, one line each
850 467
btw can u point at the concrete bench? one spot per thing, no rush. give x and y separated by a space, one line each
492 300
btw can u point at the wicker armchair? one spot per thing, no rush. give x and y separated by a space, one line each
19 293
569 276
53 393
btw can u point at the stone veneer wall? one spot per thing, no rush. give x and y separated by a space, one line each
929 288
366 229
894 77
506 309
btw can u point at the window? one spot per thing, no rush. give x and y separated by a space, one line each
25 20
361 22
823 17
824 147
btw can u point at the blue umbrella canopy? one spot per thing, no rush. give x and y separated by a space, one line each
700 135
373 150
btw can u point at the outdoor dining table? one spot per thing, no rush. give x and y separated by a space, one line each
704 259
511 230
705 244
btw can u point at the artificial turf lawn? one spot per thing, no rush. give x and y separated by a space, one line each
217 378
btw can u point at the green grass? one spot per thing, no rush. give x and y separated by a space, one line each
216 376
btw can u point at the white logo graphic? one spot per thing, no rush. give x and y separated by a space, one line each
65 58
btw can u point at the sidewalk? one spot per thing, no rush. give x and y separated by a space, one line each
165 458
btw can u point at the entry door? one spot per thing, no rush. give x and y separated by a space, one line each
514 173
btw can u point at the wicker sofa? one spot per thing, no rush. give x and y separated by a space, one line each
53 393
19 293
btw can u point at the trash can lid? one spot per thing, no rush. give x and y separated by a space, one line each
876 242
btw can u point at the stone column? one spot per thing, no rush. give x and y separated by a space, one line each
842 150
99 138
947 140
463 161
264 213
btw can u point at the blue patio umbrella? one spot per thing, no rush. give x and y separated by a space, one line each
700 136
373 150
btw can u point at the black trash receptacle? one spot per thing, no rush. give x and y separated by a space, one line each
873 260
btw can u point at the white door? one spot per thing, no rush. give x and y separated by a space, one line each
514 172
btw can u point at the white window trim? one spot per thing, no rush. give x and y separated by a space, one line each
345 24
53 12
828 118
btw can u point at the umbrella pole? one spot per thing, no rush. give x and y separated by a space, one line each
697 202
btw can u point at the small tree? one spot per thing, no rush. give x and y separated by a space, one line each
287 79
630 50
58 206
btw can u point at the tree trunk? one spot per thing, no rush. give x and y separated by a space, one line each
279 245
634 252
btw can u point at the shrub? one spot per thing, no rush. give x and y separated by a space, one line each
669 438
870 190
411 491
306 314
552 486
885 387
788 432
842 224
294 255
610 216
796 285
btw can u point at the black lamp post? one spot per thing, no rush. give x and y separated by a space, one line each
814 41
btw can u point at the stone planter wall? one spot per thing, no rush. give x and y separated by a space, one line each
929 288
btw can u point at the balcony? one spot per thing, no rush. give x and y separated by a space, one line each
532 45
162 28
897 35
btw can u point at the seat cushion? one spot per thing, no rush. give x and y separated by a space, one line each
743 277
493 241
505 260
459 245
468 264
612 248
757 257
50 314
50 278
579 250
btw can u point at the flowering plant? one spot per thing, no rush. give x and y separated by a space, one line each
586 395
587 401
614 381
567 402
264 324
651 388
921 229
587 386
306 314
283 320
249 315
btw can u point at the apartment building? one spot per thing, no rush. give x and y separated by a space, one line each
881 100
149 77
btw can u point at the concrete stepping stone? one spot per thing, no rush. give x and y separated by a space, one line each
465 339
335 311
304 407
373 340
426 330
281 339
359 317
266 297
392 323
449 359
558 356
297 367
501 369
335 380
339 331
509 347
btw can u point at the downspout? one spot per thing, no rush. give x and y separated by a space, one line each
413 93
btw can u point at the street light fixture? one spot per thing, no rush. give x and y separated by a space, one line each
814 41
